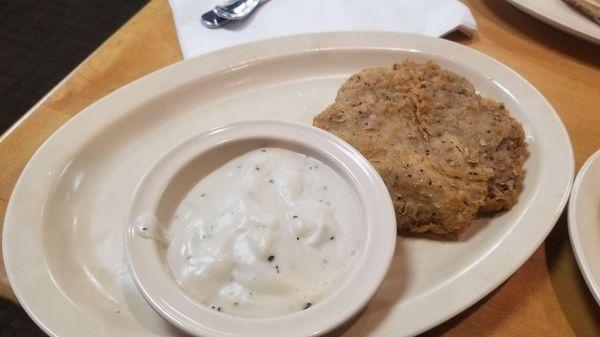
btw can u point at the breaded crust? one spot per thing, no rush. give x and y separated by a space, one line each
444 151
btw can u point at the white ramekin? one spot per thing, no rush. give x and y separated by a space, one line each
167 181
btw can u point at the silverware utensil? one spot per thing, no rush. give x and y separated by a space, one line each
236 10
212 20
230 11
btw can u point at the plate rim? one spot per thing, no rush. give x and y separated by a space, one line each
519 4
592 283
288 45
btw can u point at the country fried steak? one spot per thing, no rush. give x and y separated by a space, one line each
444 152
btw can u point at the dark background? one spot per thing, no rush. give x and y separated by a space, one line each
41 41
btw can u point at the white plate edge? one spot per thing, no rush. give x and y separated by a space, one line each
580 257
549 20
345 36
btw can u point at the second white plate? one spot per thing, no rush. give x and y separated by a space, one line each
63 244
562 16
584 222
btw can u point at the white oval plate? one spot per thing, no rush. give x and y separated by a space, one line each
63 228
584 222
561 15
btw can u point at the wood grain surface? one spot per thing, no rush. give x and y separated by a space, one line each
545 297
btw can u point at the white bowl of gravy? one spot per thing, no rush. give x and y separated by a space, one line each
260 228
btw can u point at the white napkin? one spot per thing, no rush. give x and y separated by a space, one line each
288 17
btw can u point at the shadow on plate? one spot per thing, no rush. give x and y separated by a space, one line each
143 313
481 220
391 290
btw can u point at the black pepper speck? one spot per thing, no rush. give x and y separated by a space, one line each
307 305
271 258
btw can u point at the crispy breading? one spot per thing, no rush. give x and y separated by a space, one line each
444 151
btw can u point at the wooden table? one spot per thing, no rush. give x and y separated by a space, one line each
545 297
